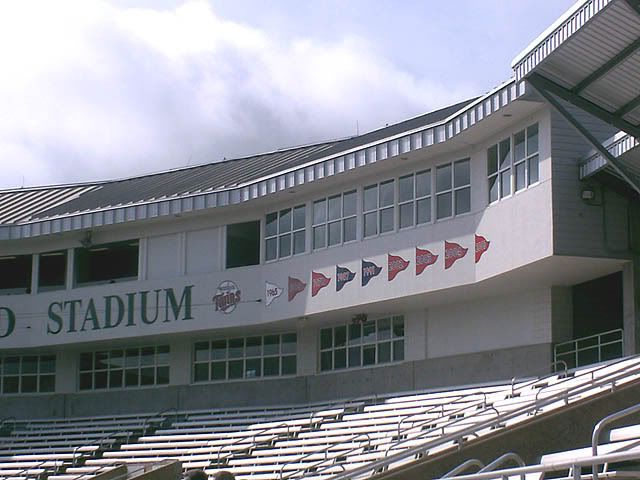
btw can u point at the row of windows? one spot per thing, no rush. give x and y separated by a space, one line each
28 374
130 367
93 265
334 219
372 342
251 357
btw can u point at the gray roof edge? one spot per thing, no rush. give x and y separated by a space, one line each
282 180
617 146
553 37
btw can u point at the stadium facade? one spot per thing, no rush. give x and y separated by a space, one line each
478 242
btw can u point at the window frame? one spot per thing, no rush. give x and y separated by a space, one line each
327 222
351 344
415 200
123 368
282 355
21 375
291 233
526 161
379 210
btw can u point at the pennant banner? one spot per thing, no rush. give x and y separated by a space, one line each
369 270
318 282
295 287
482 245
271 292
424 258
343 276
452 253
396 265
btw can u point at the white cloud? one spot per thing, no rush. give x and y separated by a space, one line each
92 90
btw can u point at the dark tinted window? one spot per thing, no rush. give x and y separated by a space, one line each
243 244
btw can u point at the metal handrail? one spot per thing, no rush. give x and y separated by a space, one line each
326 451
574 464
99 443
161 413
435 407
253 437
510 456
575 390
9 419
602 424
58 463
472 462
598 345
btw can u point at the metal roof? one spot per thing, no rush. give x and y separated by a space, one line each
44 210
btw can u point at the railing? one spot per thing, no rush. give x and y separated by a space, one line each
242 440
590 382
592 349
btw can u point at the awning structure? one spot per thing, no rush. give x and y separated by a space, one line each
590 59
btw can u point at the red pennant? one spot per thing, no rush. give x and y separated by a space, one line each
318 282
482 245
424 258
396 264
453 252
295 287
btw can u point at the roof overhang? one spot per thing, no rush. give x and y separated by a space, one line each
394 147
590 59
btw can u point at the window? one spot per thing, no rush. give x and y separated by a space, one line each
106 263
372 342
249 357
334 220
52 270
513 163
15 274
125 368
414 199
28 374
284 233
379 208
243 244
453 189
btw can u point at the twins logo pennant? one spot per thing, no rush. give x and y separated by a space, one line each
369 270
318 282
295 287
271 292
453 252
482 245
424 258
343 276
396 265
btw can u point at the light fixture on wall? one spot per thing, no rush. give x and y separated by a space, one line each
359 318
591 194
86 240
587 194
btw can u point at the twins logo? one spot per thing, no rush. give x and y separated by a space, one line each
424 258
452 253
227 297
396 265
295 287
343 276
482 245
369 270
318 282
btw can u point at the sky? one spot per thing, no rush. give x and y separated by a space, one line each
95 90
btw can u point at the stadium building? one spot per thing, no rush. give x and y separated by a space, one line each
474 243
496 238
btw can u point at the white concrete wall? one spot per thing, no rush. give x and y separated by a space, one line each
489 324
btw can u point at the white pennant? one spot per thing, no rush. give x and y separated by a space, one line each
271 292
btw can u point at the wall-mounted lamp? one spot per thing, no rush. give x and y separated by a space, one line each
86 240
587 194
